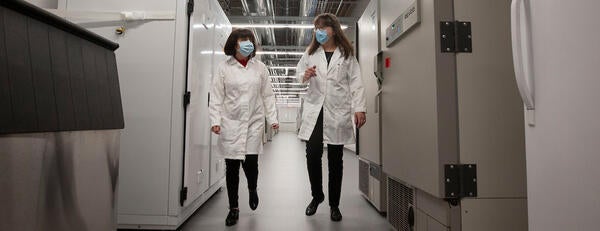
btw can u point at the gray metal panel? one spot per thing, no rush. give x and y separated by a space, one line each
400 198
417 100
370 133
433 225
435 208
491 111
494 214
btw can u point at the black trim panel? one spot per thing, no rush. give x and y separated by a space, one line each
54 80
39 14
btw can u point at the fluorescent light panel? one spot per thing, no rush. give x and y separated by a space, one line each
298 84
282 77
292 26
278 53
280 67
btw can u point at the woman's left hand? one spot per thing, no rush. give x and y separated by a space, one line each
275 126
360 119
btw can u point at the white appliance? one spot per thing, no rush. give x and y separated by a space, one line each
557 66
371 179
169 166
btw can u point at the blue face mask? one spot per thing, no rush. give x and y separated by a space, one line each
246 48
321 36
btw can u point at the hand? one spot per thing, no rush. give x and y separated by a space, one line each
309 73
216 129
275 126
360 119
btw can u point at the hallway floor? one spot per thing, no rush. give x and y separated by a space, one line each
284 193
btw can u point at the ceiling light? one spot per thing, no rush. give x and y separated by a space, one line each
282 77
289 89
301 84
293 26
278 53
211 52
281 67
277 93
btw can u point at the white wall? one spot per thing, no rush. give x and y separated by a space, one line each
563 148
46 4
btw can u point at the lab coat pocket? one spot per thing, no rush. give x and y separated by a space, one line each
230 131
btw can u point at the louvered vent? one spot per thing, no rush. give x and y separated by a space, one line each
363 177
400 198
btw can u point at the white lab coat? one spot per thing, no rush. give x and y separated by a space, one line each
240 99
338 89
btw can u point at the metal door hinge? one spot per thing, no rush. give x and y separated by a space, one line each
190 7
186 99
460 180
456 37
183 195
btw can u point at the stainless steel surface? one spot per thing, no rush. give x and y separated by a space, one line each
59 181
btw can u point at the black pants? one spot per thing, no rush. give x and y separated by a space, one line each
314 153
232 172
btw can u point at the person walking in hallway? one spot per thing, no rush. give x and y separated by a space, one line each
241 98
334 95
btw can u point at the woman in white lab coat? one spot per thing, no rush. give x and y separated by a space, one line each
241 98
335 95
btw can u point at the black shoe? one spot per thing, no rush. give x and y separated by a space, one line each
312 207
253 200
336 215
232 217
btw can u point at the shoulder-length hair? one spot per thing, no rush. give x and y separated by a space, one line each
232 41
339 37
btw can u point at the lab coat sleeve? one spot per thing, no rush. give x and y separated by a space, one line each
268 98
302 66
217 95
356 87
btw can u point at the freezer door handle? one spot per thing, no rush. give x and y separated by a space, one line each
521 45
377 96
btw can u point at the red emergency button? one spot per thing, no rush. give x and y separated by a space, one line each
387 62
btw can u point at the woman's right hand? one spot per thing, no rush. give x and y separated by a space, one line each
309 73
216 129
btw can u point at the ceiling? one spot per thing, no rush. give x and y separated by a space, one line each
288 39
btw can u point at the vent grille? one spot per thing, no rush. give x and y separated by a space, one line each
400 199
363 177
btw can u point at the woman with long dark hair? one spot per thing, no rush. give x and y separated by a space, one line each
335 95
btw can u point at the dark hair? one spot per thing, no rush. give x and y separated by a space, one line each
339 37
232 41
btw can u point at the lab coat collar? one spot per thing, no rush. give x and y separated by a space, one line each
232 61
334 58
